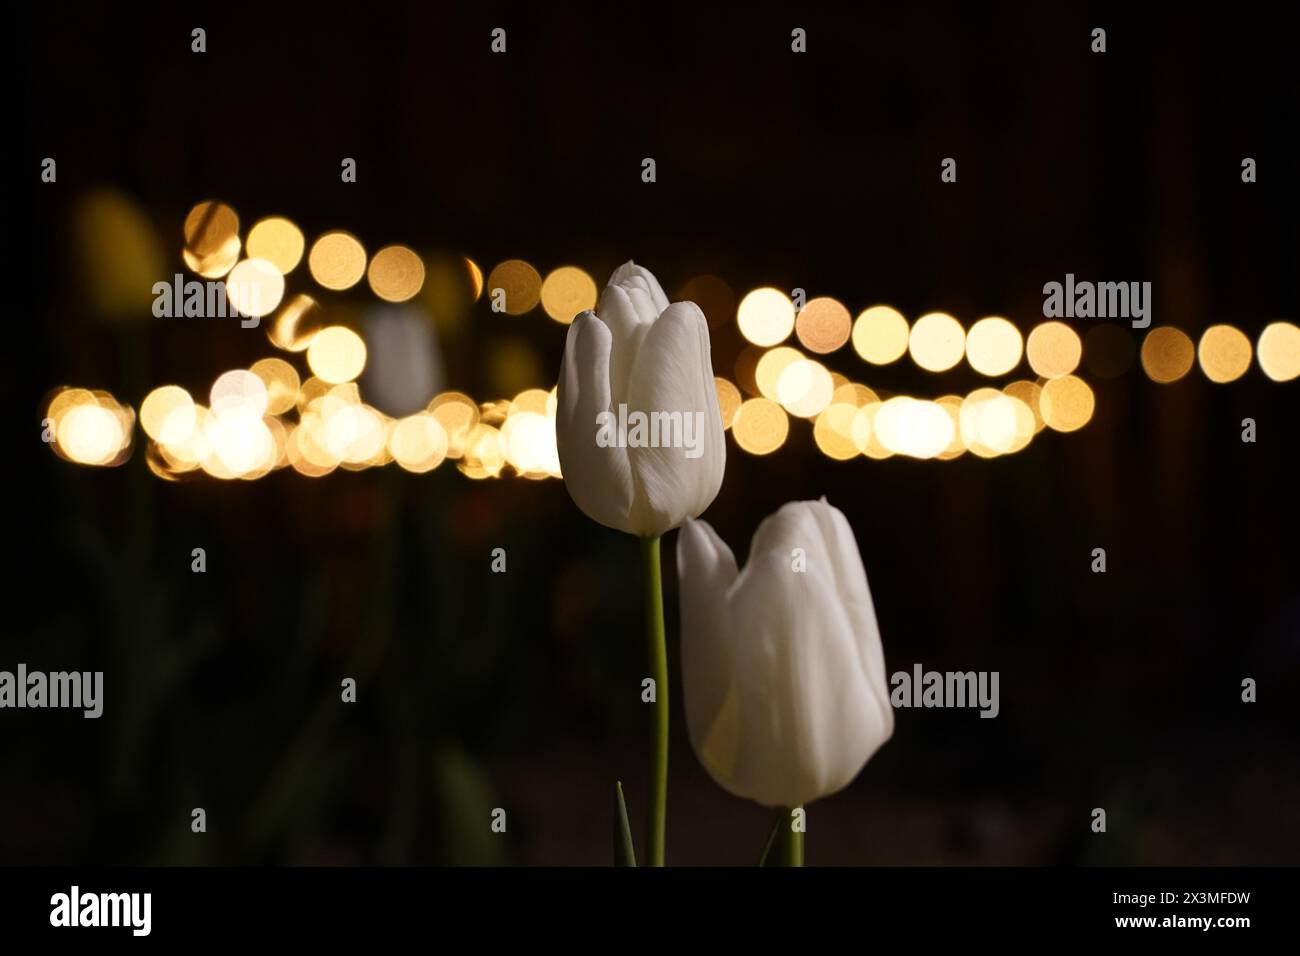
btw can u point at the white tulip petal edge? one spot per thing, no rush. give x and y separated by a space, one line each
783 670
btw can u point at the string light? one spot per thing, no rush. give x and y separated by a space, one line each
267 417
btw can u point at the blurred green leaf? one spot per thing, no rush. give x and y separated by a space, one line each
768 859
464 800
624 853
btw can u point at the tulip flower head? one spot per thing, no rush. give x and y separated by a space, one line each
638 427
782 665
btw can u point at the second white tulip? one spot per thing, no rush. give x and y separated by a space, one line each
782 665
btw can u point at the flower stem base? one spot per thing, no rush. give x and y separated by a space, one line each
658 660
789 841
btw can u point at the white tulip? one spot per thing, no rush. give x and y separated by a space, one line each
783 670
637 422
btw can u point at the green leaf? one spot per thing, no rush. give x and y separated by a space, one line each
769 858
624 854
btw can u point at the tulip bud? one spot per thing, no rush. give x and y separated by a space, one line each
637 422
782 666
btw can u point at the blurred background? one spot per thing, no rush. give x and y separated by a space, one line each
349 465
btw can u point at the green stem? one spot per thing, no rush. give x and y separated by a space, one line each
789 842
654 629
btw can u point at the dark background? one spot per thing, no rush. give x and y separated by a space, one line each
521 690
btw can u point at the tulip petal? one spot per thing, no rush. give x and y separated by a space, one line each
826 538
673 378
809 721
785 683
629 274
628 328
599 479
706 570
642 302
845 563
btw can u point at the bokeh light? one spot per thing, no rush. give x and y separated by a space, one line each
281 381
240 434
156 462
804 388
278 241
1053 349
880 335
308 454
937 342
1031 394
823 325
521 285
1066 403
988 422
209 227
354 433
458 414
760 426
767 373
211 239
951 405
536 400
92 433
336 354
833 431
908 426
483 456
1026 423
993 346
864 432
852 393
1224 353
766 316
567 291
729 400
187 453
418 443
475 276
296 324
396 273
167 414
1279 351
255 287
529 445
337 260
1167 354
240 442
238 390
279 457
211 267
